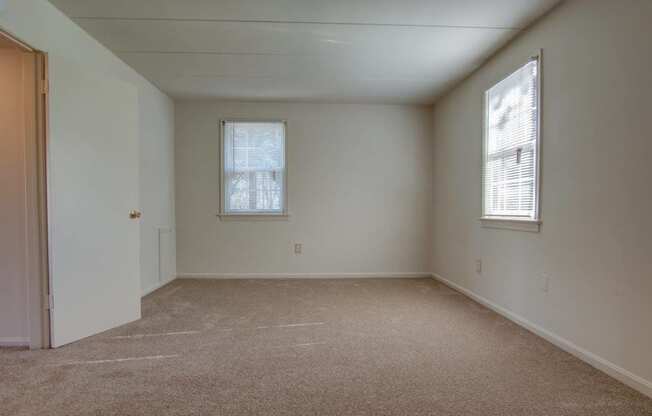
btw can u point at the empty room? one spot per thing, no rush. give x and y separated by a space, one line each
309 207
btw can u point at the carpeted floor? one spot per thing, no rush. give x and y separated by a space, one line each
311 347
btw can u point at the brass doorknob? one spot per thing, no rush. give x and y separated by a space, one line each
134 214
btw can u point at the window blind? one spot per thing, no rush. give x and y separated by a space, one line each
511 145
253 167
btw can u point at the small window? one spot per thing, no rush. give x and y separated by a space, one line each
511 146
253 168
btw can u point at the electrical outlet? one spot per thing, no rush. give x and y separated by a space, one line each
544 282
478 266
298 248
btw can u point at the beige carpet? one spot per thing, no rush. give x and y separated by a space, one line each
311 347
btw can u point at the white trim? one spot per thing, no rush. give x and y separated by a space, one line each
253 216
14 342
632 380
303 275
537 205
156 286
511 223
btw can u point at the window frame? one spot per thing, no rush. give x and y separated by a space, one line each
222 186
518 223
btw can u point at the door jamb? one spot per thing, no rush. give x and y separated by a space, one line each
42 123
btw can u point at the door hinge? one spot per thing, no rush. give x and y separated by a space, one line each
49 302
45 87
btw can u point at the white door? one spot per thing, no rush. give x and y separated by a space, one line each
93 185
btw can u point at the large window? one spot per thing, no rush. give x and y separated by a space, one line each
511 146
253 167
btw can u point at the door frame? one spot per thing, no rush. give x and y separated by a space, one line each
36 150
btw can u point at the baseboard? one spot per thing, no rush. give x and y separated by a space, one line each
303 275
155 287
14 342
632 380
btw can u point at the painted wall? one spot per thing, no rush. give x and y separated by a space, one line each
595 242
156 192
41 25
14 328
359 182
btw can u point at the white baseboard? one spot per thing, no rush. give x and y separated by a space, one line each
632 380
302 275
155 287
14 342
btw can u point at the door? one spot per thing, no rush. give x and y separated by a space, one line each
93 185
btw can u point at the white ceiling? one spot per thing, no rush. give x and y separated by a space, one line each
390 51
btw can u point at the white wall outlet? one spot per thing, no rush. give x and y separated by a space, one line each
298 248
478 266
544 283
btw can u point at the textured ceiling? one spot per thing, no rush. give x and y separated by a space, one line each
385 51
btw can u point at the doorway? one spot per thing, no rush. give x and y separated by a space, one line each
24 265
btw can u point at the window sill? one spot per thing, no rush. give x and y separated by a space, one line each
511 223
254 216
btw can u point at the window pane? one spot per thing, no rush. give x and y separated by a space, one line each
238 191
254 166
511 135
269 188
258 146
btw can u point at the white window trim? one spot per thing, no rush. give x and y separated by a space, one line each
507 222
511 223
260 215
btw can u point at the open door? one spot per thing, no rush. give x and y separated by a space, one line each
93 186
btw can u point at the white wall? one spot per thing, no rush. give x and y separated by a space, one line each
359 180
156 192
596 239
42 26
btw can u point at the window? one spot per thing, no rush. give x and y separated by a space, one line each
253 168
511 146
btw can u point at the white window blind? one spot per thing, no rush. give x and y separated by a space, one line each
253 167
510 162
